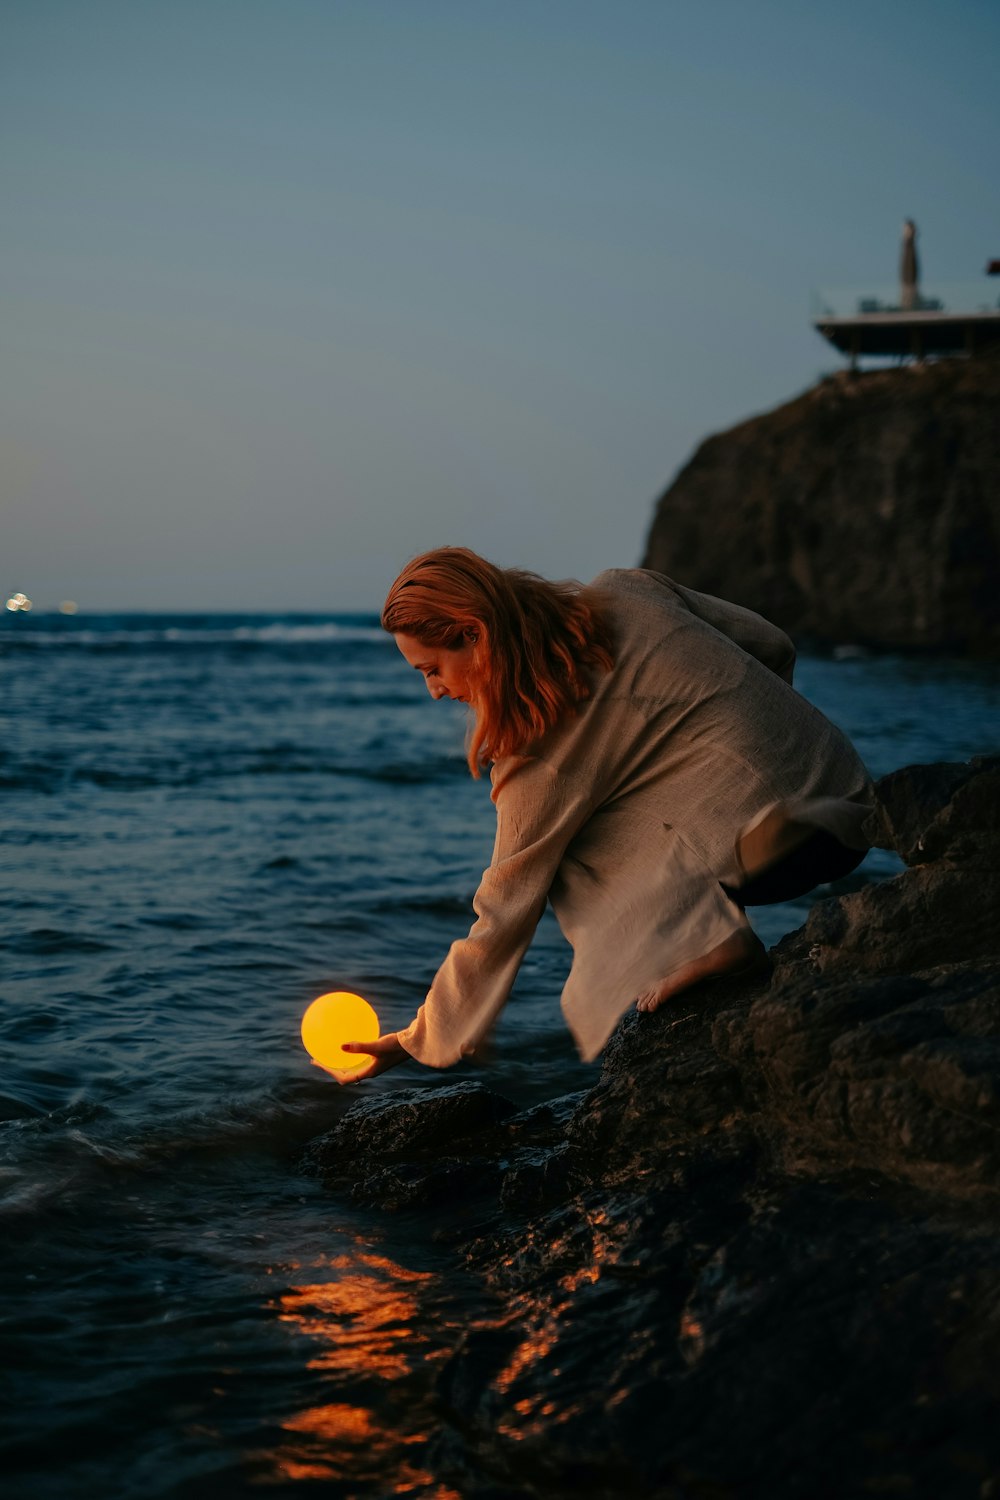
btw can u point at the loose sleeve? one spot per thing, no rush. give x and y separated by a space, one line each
755 635
538 813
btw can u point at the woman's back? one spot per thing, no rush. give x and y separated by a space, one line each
692 728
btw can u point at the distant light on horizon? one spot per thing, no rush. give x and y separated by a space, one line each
68 607
19 603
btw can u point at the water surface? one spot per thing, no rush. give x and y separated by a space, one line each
207 822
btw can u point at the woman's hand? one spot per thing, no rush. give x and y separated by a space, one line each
385 1053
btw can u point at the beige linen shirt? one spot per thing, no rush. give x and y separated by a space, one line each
694 762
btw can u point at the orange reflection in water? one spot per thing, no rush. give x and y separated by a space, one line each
367 1333
351 1424
361 1322
541 1324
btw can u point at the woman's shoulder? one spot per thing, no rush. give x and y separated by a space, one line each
637 583
637 600
629 579
519 781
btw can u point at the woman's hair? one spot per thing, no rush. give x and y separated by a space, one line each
533 642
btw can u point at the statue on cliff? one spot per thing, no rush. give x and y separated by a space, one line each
909 269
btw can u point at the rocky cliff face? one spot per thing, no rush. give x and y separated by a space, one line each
867 510
758 1261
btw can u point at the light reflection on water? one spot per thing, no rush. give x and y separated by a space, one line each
538 1319
370 1334
363 1316
206 827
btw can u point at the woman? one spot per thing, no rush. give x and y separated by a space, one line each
654 772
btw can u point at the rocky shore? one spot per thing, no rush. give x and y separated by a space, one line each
865 511
759 1258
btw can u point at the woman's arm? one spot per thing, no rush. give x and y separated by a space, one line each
538 813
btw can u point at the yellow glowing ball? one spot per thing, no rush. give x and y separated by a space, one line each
334 1019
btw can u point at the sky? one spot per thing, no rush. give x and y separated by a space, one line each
294 289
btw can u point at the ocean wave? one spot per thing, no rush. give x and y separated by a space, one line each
407 773
53 1157
308 633
424 906
45 940
56 775
275 633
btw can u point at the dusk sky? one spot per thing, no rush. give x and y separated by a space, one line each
295 288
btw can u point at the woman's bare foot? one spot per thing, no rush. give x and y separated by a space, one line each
741 953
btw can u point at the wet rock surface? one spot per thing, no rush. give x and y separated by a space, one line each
413 1148
759 1258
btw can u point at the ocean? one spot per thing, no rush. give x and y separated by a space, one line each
206 822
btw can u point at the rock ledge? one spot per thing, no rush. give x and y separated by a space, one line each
759 1259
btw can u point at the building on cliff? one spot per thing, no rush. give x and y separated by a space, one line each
953 319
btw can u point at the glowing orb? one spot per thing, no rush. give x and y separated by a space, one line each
334 1019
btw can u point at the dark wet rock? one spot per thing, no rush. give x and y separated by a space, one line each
823 1341
896 1074
943 812
536 1179
926 917
413 1121
757 1261
867 510
451 1146
415 1147
944 821
543 1123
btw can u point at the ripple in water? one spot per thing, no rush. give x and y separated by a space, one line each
208 822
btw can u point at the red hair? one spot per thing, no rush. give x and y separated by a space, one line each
535 642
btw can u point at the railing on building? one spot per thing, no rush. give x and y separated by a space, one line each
941 318
960 297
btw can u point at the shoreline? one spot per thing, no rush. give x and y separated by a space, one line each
758 1257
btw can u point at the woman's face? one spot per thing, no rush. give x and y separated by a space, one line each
447 670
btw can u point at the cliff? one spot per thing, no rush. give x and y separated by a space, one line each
757 1261
866 510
